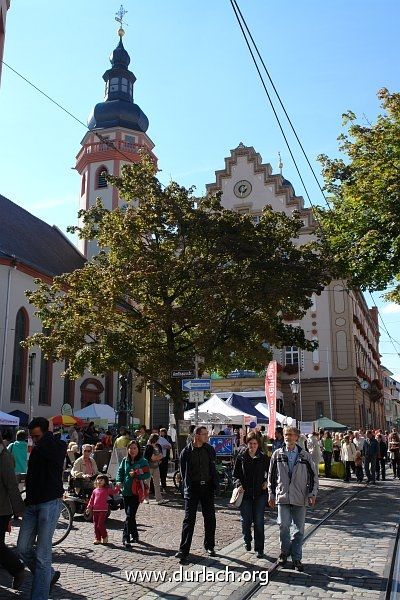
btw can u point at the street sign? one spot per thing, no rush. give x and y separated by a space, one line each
181 373
196 397
191 385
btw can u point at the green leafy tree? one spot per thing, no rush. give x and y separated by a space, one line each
177 276
362 228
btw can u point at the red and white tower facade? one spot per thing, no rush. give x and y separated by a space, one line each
117 132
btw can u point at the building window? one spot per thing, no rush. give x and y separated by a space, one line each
20 360
291 355
124 85
108 389
114 84
101 177
83 184
45 380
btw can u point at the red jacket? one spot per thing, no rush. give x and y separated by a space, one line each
99 497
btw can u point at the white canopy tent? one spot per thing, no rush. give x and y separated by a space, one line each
217 411
283 420
97 411
10 420
214 410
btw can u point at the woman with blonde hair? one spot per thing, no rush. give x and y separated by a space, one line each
84 470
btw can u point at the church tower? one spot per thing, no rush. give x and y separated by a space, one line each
117 132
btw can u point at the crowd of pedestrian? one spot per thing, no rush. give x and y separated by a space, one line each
282 474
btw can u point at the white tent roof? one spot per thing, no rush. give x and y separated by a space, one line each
217 407
97 411
263 408
6 419
247 394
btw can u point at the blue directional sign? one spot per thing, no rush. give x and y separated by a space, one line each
196 385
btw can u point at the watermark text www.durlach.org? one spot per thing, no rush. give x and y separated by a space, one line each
199 576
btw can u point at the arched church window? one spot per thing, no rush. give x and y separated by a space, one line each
20 360
124 85
45 381
83 184
101 177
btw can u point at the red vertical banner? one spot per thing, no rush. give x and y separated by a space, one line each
270 395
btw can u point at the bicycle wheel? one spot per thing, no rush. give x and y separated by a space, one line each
176 478
223 482
64 524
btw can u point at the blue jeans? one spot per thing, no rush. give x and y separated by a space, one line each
38 524
295 516
252 511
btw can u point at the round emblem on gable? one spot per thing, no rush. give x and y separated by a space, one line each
242 188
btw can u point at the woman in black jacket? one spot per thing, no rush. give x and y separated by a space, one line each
251 471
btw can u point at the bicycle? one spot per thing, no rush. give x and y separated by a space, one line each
63 526
225 474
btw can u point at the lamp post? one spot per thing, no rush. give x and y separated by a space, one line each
294 388
31 382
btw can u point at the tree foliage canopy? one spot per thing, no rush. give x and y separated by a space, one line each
177 276
362 230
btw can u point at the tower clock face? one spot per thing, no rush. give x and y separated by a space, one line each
242 188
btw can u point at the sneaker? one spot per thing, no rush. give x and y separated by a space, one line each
260 555
282 559
104 541
247 547
18 579
145 501
95 542
210 551
298 565
126 545
54 579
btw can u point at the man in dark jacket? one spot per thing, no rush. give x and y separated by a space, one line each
44 489
371 454
200 480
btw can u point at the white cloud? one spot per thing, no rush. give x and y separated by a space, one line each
391 308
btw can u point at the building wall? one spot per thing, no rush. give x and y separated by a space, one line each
4 6
339 320
13 283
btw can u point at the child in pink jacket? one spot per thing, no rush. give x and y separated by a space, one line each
99 505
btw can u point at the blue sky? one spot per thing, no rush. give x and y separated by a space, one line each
197 85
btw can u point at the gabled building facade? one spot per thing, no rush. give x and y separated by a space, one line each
339 319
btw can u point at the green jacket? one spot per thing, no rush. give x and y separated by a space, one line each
328 444
123 477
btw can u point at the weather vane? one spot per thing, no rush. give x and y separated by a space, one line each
119 16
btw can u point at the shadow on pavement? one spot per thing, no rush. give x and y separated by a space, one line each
329 578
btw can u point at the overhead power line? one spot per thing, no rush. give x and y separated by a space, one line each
236 7
103 139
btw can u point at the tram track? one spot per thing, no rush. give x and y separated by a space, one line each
250 590
393 584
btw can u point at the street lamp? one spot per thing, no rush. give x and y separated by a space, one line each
31 382
295 388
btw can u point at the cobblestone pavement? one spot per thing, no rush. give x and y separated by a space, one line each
90 572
